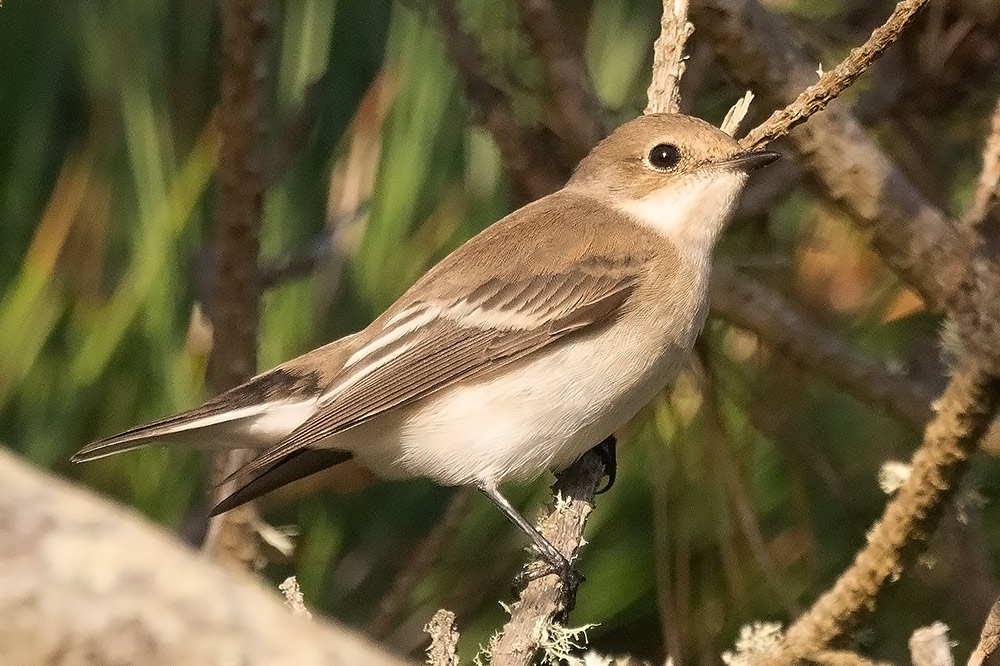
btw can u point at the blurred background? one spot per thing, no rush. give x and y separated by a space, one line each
742 491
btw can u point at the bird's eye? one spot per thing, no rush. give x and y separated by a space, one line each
664 156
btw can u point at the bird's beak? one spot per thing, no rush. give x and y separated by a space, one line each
750 161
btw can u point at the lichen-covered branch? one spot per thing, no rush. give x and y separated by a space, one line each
989 638
545 599
444 639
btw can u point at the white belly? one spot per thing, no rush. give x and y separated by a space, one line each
540 414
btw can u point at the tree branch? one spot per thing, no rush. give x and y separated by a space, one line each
577 105
532 173
912 235
545 600
815 98
664 93
988 186
741 300
963 413
241 189
444 639
989 639
926 241
83 581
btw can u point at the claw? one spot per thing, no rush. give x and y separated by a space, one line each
541 567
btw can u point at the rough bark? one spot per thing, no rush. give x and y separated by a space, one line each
85 582
234 308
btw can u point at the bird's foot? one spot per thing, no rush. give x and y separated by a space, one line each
542 566
607 450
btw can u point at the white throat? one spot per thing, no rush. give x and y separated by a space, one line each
690 215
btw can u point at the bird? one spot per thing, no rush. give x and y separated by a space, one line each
526 346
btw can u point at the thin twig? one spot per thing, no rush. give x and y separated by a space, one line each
577 104
988 186
912 235
303 262
731 123
234 307
989 638
815 98
664 94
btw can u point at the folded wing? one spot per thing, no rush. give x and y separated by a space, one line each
429 345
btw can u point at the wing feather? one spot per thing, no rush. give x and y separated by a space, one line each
457 345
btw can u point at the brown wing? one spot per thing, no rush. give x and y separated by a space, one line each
431 345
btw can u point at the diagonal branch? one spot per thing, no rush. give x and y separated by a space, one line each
912 235
743 301
963 413
921 244
577 104
989 638
815 98
531 171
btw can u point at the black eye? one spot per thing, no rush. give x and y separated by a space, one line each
664 156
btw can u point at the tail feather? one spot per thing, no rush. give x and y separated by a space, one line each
295 466
255 414
215 428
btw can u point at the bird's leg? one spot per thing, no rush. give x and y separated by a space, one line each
557 561
607 450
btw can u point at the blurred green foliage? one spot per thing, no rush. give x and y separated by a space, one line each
734 505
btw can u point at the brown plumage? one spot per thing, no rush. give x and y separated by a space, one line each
527 345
